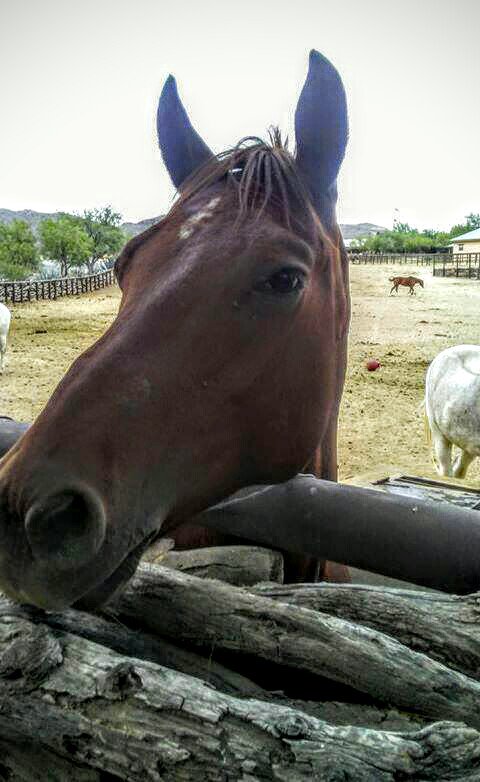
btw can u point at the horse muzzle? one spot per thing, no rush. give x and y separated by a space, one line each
66 530
61 549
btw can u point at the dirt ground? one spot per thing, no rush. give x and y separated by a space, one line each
380 420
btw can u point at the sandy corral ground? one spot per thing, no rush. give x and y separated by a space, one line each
380 419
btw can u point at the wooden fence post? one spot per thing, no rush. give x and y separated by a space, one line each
38 290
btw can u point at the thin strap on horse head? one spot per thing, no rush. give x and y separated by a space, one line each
321 131
264 176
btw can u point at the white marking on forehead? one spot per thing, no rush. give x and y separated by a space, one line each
189 225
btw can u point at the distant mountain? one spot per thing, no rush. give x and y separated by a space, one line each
349 232
35 218
136 228
30 217
354 231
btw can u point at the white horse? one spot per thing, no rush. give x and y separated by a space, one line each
4 326
452 407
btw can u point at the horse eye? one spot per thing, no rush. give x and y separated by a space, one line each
288 280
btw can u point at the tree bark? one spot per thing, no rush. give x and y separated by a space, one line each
108 631
104 713
238 565
213 616
30 763
445 627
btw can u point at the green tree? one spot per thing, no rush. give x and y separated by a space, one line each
103 228
66 241
19 255
472 221
403 228
402 239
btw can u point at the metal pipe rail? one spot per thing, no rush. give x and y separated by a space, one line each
429 544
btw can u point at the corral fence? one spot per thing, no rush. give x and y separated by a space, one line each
37 290
458 265
442 264
400 666
419 259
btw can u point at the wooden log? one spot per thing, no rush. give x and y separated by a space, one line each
107 631
443 626
360 715
427 543
30 763
212 615
134 720
238 565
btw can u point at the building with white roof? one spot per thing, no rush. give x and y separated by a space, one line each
467 243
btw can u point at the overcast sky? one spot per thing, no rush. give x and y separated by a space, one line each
80 80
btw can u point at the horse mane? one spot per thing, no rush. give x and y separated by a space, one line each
263 175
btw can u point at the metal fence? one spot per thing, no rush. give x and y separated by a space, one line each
36 290
417 259
443 264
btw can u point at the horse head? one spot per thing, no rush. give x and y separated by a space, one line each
224 366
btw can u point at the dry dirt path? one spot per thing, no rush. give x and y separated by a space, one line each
380 420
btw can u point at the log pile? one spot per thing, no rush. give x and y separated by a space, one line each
189 678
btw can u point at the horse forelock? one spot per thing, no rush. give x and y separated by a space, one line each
255 178
262 177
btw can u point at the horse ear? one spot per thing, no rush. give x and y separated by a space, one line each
321 129
182 149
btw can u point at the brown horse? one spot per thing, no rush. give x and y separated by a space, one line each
407 282
224 367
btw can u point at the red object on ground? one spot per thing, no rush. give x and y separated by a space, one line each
373 364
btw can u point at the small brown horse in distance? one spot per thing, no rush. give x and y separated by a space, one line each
223 368
407 282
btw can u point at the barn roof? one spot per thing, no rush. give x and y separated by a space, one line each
468 237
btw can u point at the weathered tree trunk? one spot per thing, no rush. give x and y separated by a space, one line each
108 631
174 681
30 763
99 715
239 565
213 615
445 627
91 264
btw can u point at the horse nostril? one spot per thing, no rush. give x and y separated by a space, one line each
66 529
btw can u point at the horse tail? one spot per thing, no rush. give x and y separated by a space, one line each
422 408
391 279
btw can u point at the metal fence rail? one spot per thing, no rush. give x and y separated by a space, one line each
419 259
37 290
443 264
